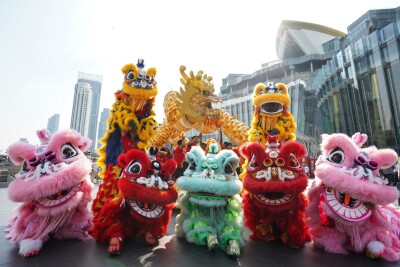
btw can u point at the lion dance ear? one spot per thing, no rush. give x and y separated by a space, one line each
122 160
19 152
359 138
84 144
250 149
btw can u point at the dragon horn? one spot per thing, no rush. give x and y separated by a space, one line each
182 71
199 75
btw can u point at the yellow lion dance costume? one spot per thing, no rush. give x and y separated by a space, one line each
271 114
132 119
191 108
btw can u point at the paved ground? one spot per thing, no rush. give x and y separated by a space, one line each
170 252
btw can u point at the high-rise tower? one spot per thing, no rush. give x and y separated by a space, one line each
53 123
81 108
95 82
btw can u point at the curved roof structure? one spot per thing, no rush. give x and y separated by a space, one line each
297 38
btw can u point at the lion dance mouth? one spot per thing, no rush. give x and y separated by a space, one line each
344 206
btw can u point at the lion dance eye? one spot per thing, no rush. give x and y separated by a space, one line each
228 169
24 168
253 163
336 156
293 161
130 76
68 151
134 167
192 166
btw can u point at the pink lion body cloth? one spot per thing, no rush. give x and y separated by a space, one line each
350 204
54 188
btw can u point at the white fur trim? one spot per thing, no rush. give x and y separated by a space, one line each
27 246
375 247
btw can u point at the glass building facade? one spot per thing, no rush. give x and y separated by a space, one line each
358 90
337 82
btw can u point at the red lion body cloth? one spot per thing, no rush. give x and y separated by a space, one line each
274 202
137 200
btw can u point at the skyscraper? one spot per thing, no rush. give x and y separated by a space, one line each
95 82
105 114
53 123
81 108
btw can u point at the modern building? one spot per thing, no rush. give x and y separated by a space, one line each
53 123
358 89
81 108
337 82
302 48
105 114
23 140
95 82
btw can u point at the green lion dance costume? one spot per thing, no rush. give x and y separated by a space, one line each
211 205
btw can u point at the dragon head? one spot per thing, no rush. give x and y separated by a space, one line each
271 100
139 85
197 99
55 174
352 184
146 183
274 174
210 178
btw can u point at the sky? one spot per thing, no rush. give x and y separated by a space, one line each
45 43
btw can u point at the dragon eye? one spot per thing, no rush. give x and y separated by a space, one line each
228 169
294 163
206 93
336 156
130 75
68 151
134 167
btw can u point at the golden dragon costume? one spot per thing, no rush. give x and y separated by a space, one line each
271 114
132 119
191 108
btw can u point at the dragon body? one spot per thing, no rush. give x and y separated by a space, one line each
192 108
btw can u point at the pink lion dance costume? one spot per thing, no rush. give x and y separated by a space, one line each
54 187
274 202
350 202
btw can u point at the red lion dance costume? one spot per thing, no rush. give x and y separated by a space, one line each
274 204
139 201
